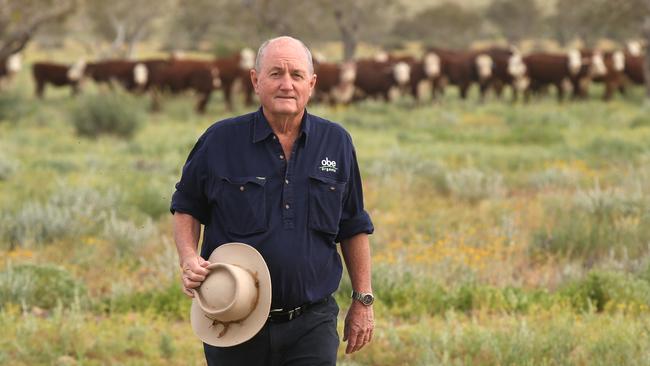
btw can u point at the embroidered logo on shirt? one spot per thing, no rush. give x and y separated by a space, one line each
328 165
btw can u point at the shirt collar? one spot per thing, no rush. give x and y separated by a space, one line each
262 128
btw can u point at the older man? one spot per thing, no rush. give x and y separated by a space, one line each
287 183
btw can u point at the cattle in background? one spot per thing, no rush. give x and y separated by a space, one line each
614 77
9 67
574 67
233 68
57 75
131 75
508 70
634 68
176 76
376 78
335 82
462 68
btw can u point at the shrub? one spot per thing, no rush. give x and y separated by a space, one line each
169 301
12 106
473 185
612 291
107 114
44 286
7 167
126 237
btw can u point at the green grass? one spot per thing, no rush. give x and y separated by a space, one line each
505 234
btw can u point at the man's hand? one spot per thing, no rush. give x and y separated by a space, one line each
359 324
194 273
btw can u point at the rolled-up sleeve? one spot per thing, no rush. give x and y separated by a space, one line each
354 219
190 195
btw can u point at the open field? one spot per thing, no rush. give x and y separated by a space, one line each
505 234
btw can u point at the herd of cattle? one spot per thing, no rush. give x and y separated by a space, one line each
341 83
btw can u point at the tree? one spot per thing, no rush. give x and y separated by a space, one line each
445 25
20 19
516 19
123 22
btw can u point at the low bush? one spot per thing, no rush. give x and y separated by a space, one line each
43 286
473 185
608 291
114 113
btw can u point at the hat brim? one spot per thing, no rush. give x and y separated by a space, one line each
249 258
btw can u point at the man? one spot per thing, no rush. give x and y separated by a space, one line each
287 183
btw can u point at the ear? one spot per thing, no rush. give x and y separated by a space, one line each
312 84
254 80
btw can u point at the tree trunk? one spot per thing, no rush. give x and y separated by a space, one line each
646 64
349 35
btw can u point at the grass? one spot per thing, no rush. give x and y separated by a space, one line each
505 234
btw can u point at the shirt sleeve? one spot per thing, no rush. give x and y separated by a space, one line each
190 196
354 219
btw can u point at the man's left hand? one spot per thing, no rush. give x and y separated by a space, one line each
359 324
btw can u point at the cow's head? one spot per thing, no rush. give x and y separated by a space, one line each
574 60
634 48
216 78
140 74
246 59
348 72
484 66
431 64
598 67
516 66
14 63
618 61
76 71
402 72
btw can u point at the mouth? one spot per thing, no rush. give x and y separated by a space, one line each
285 97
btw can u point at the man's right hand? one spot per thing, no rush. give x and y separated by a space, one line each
193 274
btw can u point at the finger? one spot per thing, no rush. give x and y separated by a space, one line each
188 293
346 331
352 341
195 276
370 333
203 262
191 284
359 343
200 270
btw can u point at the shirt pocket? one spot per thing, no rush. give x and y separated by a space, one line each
325 204
243 205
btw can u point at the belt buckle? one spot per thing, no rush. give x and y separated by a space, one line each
291 312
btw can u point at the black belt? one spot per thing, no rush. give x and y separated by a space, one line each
282 315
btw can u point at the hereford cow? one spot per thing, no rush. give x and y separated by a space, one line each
335 82
132 75
634 68
376 78
9 67
176 76
233 68
462 68
575 67
508 70
614 77
58 75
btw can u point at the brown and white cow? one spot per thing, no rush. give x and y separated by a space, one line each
9 67
236 68
614 77
180 75
377 78
574 67
508 70
335 82
131 75
57 75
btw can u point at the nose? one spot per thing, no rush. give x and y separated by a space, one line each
285 82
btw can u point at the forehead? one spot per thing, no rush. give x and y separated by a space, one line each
279 53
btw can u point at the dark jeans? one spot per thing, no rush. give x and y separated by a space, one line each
310 339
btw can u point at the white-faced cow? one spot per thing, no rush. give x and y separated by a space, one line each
57 75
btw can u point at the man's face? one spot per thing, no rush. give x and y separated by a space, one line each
284 83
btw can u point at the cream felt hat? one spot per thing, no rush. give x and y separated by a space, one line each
233 302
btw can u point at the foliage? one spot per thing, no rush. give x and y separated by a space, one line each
516 19
42 286
107 114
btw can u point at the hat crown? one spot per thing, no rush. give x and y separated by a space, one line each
229 293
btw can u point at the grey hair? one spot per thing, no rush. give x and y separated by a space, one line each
262 49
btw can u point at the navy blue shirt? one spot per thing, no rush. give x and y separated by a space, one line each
238 183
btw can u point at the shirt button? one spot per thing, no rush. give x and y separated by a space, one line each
281 157
286 181
332 188
241 188
286 206
275 138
